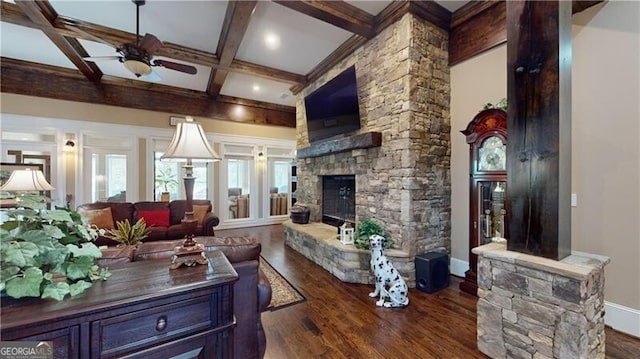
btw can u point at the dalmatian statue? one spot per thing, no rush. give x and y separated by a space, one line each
386 276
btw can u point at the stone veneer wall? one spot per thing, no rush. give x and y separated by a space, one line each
403 87
536 308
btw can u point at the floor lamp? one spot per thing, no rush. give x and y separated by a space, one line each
189 144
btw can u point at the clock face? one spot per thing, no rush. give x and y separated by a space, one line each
492 155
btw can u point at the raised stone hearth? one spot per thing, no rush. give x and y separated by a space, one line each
536 308
318 242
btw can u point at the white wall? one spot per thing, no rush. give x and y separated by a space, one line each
605 146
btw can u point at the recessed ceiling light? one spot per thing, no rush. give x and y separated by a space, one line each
272 41
256 88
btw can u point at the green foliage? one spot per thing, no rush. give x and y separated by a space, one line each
129 235
47 254
366 229
501 105
166 178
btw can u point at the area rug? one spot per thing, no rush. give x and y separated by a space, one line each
283 293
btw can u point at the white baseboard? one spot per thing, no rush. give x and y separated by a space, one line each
621 318
457 267
618 317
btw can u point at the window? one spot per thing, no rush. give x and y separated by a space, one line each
278 172
168 179
239 187
110 174
240 168
109 177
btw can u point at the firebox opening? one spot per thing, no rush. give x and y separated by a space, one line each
339 200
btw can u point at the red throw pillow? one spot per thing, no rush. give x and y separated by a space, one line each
155 218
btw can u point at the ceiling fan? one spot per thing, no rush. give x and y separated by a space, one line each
138 57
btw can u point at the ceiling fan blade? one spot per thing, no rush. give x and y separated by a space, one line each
188 69
100 58
150 44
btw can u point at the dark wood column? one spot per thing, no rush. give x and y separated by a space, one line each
539 127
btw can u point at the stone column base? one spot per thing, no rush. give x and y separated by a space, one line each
535 308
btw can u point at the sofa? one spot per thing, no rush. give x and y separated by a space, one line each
251 293
162 218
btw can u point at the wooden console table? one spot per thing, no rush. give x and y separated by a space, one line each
144 310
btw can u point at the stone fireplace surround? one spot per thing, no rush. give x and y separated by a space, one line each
403 182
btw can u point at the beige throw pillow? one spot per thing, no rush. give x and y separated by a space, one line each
102 218
200 211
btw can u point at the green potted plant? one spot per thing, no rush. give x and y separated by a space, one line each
366 229
48 254
166 179
128 235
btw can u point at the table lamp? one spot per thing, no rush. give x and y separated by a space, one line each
26 180
189 144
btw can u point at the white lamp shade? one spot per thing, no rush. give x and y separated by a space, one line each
137 67
26 180
190 143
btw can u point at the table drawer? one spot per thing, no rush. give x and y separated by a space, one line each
144 328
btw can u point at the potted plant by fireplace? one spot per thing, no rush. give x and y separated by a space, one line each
366 229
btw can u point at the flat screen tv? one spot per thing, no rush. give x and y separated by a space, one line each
332 110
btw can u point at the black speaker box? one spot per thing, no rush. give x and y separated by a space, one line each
432 271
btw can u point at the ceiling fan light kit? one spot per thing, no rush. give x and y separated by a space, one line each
137 67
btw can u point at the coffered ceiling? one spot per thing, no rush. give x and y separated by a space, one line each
252 53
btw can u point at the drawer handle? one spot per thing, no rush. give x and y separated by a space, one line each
161 324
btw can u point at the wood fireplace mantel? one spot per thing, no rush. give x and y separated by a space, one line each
363 140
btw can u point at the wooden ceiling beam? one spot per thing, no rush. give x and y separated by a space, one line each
469 10
431 11
70 27
581 5
43 15
234 27
337 13
478 28
481 25
12 14
266 72
67 84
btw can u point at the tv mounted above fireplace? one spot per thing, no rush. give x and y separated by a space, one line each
333 109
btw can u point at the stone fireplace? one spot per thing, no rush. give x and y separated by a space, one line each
402 181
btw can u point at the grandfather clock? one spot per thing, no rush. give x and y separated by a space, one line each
486 135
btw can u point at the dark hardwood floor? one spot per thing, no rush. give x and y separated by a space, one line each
339 320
